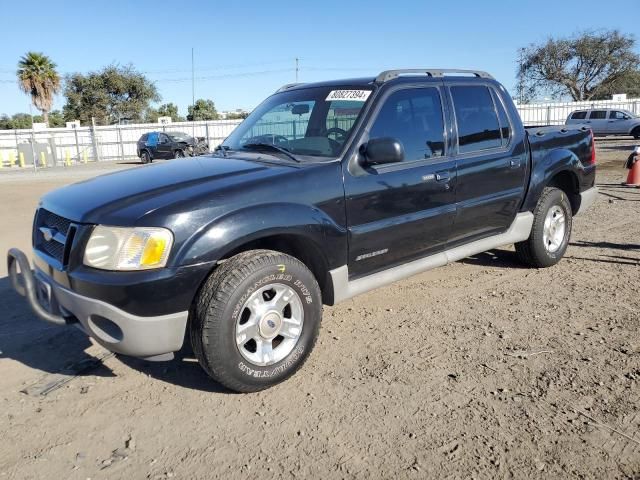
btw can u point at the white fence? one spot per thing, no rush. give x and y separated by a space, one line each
65 146
556 113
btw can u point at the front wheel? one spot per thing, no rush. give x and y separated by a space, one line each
636 133
255 320
549 238
178 154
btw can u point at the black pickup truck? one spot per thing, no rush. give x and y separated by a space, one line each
325 191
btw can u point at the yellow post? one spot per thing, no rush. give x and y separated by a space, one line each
21 159
12 159
43 159
67 158
85 159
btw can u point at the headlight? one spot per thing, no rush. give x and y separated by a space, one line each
117 248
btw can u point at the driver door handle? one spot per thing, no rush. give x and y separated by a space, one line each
442 176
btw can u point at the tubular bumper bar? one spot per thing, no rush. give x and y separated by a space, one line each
27 289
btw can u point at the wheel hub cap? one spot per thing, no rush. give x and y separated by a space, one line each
554 229
269 324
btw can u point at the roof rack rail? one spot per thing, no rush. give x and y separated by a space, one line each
431 72
288 86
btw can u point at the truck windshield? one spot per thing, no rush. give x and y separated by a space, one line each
307 122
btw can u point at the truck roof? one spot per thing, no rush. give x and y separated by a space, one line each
395 75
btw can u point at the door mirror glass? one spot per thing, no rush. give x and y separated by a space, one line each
378 151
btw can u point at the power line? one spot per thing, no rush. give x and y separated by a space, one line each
225 75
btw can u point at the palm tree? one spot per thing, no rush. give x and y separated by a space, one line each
37 77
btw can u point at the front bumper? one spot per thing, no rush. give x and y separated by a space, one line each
113 328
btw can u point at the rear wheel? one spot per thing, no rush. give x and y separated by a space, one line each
550 232
256 320
145 157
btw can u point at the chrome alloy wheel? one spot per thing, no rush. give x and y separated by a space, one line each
554 229
269 324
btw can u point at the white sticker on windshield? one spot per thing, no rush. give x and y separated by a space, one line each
349 95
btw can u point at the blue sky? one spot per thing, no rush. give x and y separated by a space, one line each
245 50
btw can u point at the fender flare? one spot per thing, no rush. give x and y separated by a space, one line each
226 234
545 169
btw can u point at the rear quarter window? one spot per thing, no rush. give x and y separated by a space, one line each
598 114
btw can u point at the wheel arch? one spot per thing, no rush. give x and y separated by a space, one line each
559 168
298 246
567 181
302 231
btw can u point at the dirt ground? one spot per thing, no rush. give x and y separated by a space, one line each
480 369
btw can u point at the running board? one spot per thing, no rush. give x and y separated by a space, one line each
343 288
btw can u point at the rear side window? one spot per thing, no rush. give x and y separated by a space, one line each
476 118
144 137
579 115
414 117
598 114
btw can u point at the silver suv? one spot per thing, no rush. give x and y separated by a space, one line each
607 121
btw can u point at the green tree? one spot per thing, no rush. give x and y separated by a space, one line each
237 116
586 66
112 95
37 76
56 119
202 110
629 84
17 121
165 110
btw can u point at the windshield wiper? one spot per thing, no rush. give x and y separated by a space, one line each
282 150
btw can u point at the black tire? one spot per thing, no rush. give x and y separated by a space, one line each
145 157
636 132
178 154
534 251
221 303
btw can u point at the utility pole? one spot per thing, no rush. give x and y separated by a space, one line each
193 92
193 81
521 80
297 68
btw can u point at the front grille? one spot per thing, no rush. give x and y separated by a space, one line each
52 235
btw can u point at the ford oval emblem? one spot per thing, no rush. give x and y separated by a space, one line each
48 233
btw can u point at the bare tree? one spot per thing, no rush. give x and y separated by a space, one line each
586 66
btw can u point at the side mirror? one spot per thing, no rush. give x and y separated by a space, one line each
378 151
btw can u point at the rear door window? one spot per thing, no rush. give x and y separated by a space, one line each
413 116
476 118
598 115
579 115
